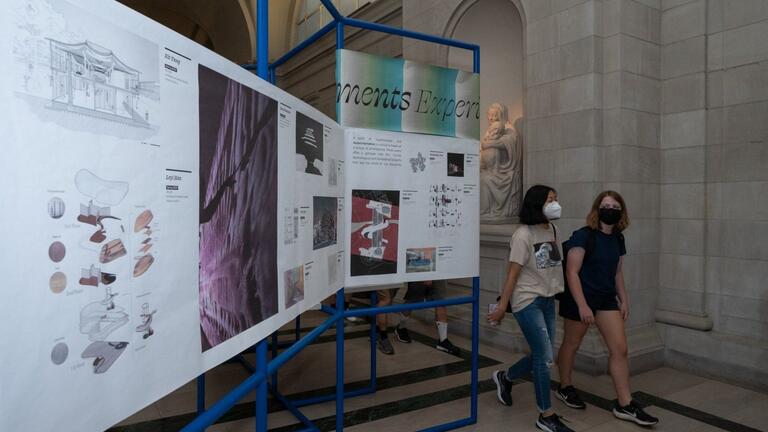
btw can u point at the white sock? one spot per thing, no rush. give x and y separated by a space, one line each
442 330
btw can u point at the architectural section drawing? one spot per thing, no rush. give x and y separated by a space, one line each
445 206
92 80
83 73
238 197
374 229
324 221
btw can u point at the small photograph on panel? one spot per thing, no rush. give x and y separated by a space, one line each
324 221
455 164
419 260
309 145
294 286
375 223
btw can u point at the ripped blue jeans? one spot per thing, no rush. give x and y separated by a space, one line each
537 321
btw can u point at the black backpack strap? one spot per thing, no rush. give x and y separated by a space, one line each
591 242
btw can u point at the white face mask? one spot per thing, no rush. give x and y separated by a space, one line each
553 210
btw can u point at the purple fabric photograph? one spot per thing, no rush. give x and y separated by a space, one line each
238 198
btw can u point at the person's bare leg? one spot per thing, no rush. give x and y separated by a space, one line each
611 326
573 334
385 299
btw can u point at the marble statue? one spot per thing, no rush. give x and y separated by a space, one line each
500 168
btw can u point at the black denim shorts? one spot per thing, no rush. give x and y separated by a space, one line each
596 301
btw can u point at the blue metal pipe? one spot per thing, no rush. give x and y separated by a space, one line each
262 38
476 60
340 360
201 394
407 33
274 345
330 310
307 42
374 333
475 347
408 306
261 388
297 330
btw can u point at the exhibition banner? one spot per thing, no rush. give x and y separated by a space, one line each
412 207
393 94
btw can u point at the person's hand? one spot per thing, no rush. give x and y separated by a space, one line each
586 315
497 315
624 309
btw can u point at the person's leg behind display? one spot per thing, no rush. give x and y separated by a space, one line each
383 343
439 291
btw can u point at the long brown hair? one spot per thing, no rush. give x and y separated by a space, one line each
593 220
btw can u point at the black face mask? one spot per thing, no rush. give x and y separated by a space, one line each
609 216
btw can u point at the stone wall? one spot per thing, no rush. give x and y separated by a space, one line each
715 179
665 101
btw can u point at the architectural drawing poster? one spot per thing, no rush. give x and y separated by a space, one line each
155 222
412 206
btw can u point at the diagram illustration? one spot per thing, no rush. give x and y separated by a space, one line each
102 320
418 164
146 321
142 225
104 354
445 206
375 217
98 320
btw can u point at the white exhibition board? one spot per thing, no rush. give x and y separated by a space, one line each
164 209
412 206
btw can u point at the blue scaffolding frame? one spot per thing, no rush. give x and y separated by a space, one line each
263 378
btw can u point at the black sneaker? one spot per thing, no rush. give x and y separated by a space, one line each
503 387
634 413
384 345
447 346
402 334
552 424
570 397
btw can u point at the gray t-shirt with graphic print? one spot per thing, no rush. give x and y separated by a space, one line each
536 249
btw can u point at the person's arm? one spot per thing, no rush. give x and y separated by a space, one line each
575 261
513 272
487 143
621 290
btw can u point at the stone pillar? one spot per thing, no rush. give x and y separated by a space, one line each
715 135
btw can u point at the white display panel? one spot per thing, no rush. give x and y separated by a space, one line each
148 185
412 206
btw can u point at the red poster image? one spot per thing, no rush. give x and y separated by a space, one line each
375 223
